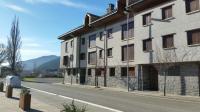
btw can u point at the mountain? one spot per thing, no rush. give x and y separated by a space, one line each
51 65
31 64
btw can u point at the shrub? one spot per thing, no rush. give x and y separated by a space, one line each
73 108
25 91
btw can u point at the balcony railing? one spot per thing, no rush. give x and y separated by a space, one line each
133 1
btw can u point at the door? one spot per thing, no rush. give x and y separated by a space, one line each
153 76
82 76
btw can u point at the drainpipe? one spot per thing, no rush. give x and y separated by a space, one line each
105 56
72 61
127 33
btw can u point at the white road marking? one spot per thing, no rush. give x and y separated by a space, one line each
77 100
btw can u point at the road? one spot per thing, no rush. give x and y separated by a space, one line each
122 101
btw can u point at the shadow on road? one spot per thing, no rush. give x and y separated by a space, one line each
34 110
15 98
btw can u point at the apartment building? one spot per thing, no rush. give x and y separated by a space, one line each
159 45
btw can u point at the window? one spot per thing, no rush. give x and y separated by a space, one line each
130 51
65 60
101 36
112 71
89 72
167 12
168 41
92 58
66 47
193 37
68 71
173 71
100 71
74 71
92 40
71 57
130 31
109 52
131 71
100 53
123 71
147 45
192 5
72 43
147 19
82 56
109 33
83 41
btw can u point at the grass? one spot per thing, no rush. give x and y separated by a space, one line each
28 79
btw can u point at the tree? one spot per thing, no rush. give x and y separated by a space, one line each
2 53
13 48
168 60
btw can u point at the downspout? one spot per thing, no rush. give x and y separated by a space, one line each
127 33
72 62
105 56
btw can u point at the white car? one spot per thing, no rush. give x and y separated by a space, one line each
13 81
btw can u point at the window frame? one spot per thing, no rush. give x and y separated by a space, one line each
189 8
189 37
109 33
82 41
124 57
82 56
92 36
144 19
109 52
89 61
164 41
124 30
101 36
145 45
66 47
111 70
164 17
72 42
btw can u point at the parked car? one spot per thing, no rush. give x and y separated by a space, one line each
13 81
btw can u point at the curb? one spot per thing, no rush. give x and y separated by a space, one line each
195 99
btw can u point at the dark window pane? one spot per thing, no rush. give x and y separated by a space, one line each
92 40
147 45
92 57
167 12
112 71
168 41
83 41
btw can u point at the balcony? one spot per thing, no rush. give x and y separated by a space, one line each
130 2
139 5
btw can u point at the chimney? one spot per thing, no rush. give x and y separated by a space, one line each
110 8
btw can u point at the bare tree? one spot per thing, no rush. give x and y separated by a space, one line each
13 48
2 53
166 59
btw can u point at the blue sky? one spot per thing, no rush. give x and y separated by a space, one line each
42 21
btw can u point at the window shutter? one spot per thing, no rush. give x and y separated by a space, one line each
131 52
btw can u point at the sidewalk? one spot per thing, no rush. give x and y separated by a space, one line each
141 93
12 104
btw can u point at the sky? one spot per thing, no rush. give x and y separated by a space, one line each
42 21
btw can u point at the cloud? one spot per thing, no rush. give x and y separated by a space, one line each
17 8
68 3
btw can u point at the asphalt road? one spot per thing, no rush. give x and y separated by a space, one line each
122 101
